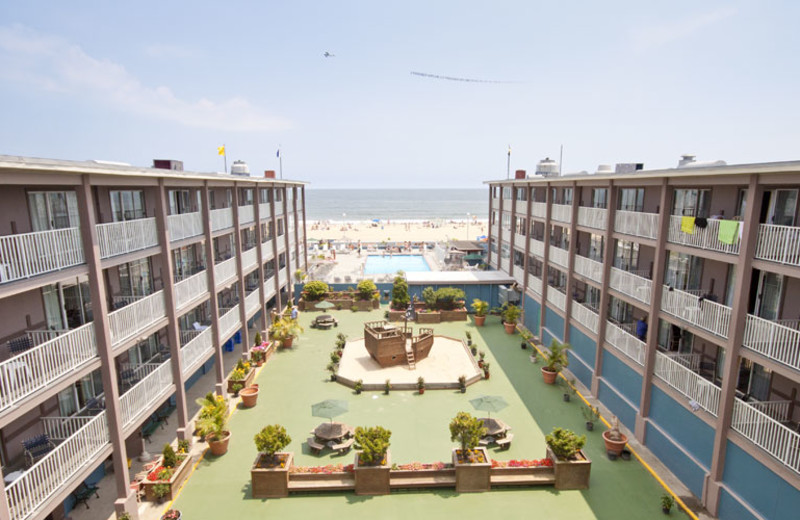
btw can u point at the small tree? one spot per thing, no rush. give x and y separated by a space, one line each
448 298
168 457
564 443
429 297
315 290
467 430
556 359
480 307
366 288
373 443
511 314
271 439
400 298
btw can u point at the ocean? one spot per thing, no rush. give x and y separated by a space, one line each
396 204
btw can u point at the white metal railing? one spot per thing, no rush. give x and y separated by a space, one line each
42 480
269 287
557 298
520 241
539 209
690 361
559 256
706 238
561 213
585 316
633 285
535 283
589 268
267 251
118 238
229 323
140 370
221 218
596 218
282 277
767 433
119 301
38 337
537 248
129 321
707 315
36 368
778 410
264 211
625 342
246 214
778 244
773 340
189 335
136 401
196 351
185 225
636 223
278 207
190 288
225 271
249 258
252 301
61 428
507 205
31 254
690 384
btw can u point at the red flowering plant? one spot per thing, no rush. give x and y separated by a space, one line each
418 466
172 514
330 468
524 463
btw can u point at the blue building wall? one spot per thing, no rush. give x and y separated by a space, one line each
532 315
688 430
681 465
612 398
487 292
729 507
580 369
554 324
583 346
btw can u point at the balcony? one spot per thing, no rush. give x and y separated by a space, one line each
559 256
191 288
31 254
520 241
589 268
196 351
595 218
252 302
40 366
557 298
282 277
135 318
537 248
586 316
773 339
507 205
535 283
561 213
269 287
278 207
779 244
519 274
625 342
185 225
690 384
636 223
119 238
229 322
632 284
705 314
246 214
221 219
225 272
153 388
707 238
264 210
767 433
267 250
250 258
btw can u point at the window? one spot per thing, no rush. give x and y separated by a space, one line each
599 197
53 210
534 266
626 256
507 193
127 205
519 258
567 196
520 225
245 196
631 199
683 271
135 278
504 251
521 193
557 279
506 221
596 246
179 202
278 195
691 203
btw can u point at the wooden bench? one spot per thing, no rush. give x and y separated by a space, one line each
315 447
505 442
163 413
84 493
150 427
343 447
37 447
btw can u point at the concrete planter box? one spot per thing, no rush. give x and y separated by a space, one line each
397 315
429 317
367 305
571 474
475 477
174 483
271 482
248 380
372 480
456 315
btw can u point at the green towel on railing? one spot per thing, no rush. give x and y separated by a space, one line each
687 225
728 231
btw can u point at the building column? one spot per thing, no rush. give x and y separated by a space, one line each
489 234
173 332
602 311
500 230
126 499
289 287
305 231
741 294
512 234
528 230
573 246
212 288
5 507
548 201
640 428
240 272
275 264
262 304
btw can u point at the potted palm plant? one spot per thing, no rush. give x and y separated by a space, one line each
212 423
666 503
555 360
421 385
481 308
526 337
285 330
510 316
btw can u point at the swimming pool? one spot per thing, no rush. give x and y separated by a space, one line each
377 264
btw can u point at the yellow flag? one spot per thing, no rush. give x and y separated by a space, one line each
221 150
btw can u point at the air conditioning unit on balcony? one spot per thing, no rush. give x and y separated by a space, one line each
508 295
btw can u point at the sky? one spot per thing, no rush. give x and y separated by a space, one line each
609 81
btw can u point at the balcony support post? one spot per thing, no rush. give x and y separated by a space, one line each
237 234
219 362
602 311
288 257
573 246
262 324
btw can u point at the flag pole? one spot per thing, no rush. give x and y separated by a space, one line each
225 157
280 162
508 164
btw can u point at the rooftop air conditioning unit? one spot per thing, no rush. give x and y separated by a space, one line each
508 295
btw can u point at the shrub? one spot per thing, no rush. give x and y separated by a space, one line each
366 289
564 443
556 359
213 416
400 298
387 386
257 340
161 490
449 298
373 443
271 439
315 290
354 308
467 430
480 307
511 314
341 341
420 383
429 297
335 357
359 385
183 446
169 458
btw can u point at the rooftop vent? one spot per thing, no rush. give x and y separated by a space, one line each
689 161
168 164
604 169
628 167
547 167
240 168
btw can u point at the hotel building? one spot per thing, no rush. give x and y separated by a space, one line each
679 292
119 287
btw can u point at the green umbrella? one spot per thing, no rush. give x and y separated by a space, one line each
325 304
329 408
489 403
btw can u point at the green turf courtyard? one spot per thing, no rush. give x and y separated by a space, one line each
295 379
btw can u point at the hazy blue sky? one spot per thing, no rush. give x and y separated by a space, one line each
611 81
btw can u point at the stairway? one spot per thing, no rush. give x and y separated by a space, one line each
410 355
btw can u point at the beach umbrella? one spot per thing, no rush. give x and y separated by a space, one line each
489 403
329 408
325 304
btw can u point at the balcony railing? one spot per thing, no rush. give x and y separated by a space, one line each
137 401
559 256
189 289
585 316
269 286
282 277
778 244
561 213
229 323
42 480
38 367
773 340
539 209
246 214
636 223
267 251
626 343
38 337
118 238
589 268
557 298
224 272
767 433
185 225
633 285
537 248
706 238
690 361
699 390
221 218
535 283
252 302
596 218
703 313
32 254
133 319
264 210
196 351
520 241
62 428
250 258
278 207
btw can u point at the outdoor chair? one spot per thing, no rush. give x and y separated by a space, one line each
37 447
84 493
20 344
94 406
164 352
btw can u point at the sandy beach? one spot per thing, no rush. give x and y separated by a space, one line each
396 231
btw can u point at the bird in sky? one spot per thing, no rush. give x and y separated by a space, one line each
329 55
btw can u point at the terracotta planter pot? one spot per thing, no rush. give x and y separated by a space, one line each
510 327
548 376
480 321
249 396
219 447
286 343
613 446
485 375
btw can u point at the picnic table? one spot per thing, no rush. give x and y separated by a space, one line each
495 427
333 431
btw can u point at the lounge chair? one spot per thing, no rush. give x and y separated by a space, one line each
20 344
37 447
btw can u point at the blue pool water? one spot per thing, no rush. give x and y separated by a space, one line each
377 264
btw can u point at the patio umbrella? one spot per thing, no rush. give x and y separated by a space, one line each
329 408
325 304
489 403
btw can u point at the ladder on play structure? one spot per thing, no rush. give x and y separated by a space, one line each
410 356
